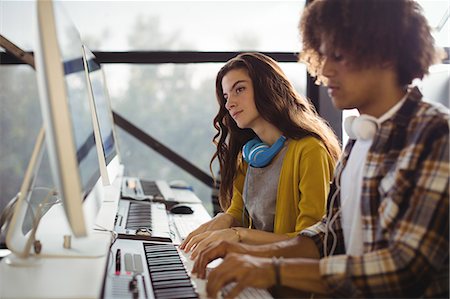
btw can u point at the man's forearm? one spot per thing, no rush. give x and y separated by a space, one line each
297 247
302 274
259 237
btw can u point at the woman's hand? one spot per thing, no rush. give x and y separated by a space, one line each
201 241
221 221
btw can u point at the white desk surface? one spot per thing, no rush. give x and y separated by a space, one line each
64 277
73 277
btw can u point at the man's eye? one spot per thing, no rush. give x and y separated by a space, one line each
338 57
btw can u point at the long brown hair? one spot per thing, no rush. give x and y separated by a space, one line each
277 102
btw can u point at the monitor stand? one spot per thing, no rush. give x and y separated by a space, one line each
86 248
53 247
56 241
16 261
52 230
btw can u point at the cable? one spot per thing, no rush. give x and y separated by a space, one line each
7 213
114 234
330 220
51 192
333 246
36 220
114 237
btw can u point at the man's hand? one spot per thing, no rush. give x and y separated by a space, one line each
244 270
214 251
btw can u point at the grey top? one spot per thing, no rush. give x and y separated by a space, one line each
260 192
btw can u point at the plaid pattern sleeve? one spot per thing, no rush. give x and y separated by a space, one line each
405 212
316 232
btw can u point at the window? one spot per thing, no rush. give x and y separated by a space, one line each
175 103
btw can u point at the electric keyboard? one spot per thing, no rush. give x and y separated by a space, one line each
140 189
158 270
248 293
182 225
185 225
139 269
143 221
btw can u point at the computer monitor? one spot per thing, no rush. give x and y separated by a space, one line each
435 86
70 143
103 119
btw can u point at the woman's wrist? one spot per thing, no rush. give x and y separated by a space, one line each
225 218
237 233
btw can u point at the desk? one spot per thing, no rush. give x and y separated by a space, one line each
64 277
84 277
54 278
69 277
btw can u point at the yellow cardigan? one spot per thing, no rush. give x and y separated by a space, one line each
303 186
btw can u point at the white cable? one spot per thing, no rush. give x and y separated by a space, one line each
51 192
333 247
328 220
7 213
114 234
37 218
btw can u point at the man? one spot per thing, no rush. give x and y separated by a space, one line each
386 232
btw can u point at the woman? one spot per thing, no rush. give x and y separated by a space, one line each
276 157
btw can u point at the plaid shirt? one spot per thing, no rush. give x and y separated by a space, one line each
404 207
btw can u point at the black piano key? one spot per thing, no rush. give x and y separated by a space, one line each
161 249
163 268
153 263
167 273
161 276
156 255
171 284
164 260
184 292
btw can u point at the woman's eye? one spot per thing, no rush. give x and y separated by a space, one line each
239 89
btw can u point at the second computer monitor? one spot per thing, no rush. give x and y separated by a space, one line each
103 119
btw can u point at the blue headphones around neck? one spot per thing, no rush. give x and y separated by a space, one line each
258 154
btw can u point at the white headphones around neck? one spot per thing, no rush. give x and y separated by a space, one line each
362 127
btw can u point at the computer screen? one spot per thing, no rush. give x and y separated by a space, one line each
103 119
69 135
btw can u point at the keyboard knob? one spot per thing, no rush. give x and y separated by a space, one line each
133 286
